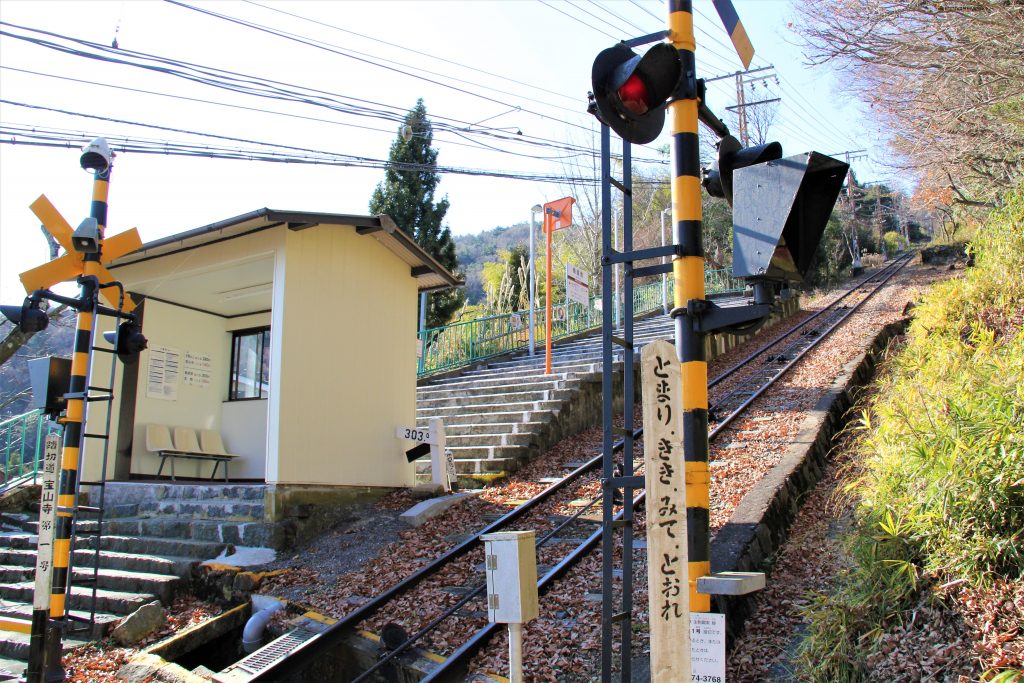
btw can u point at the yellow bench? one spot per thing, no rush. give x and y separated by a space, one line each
208 446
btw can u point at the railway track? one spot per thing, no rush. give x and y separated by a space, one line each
565 516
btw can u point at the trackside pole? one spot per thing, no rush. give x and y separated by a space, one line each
78 391
688 274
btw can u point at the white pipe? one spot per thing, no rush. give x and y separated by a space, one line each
263 608
515 653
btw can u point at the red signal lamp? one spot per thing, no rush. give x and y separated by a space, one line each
631 91
633 94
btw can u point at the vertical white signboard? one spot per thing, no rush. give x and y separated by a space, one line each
47 520
665 480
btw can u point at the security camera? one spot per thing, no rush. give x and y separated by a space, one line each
96 156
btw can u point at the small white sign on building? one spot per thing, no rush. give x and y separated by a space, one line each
577 286
164 373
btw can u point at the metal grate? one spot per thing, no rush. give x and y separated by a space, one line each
275 651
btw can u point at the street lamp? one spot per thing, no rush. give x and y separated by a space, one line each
534 210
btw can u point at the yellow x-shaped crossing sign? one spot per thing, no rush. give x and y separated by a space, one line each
72 264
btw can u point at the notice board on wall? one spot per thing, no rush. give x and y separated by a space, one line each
164 372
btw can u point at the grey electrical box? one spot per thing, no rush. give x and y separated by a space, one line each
510 560
780 209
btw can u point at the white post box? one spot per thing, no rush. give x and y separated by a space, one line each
510 562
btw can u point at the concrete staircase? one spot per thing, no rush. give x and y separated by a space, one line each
500 415
153 535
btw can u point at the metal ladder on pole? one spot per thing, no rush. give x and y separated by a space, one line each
88 519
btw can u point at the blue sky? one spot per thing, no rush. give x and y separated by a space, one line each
486 69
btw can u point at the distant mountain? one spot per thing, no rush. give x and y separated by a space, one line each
475 250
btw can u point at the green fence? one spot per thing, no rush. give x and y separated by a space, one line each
21 447
465 343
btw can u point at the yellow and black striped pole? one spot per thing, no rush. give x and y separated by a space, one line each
74 422
688 272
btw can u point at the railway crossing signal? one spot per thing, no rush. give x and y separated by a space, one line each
29 317
87 251
631 91
128 341
718 180
780 210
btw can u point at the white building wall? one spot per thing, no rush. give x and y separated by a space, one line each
346 361
193 405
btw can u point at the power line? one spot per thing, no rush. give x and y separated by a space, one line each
252 85
617 16
578 20
30 135
332 50
406 48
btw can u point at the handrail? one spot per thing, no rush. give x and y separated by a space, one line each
22 438
468 342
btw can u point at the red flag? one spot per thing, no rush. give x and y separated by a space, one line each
558 214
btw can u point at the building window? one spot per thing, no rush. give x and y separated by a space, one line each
250 364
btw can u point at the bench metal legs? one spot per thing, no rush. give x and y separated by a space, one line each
213 475
163 459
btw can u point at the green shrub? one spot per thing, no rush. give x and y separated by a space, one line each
940 494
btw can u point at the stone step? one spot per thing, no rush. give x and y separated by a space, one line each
210 531
491 428
459 400
487 453
162 586
482 418
446 411
476 466
16 645
130 562
489 440
535 369
113 602
496 385
16 520
464 380
164 547
23 610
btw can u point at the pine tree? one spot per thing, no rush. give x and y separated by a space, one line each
407 195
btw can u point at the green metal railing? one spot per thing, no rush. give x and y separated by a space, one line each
465 343
21 447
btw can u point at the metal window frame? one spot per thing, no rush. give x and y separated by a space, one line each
264 344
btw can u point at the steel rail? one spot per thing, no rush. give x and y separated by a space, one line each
455 665
800 324
294 663
722 424
303 656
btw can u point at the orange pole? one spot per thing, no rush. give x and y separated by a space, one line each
547 296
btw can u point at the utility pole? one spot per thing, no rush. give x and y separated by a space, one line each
850 156
742 80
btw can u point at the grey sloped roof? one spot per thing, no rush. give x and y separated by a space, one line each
430 275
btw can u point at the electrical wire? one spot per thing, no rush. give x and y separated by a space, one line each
31 135
406 48
578 20
309 43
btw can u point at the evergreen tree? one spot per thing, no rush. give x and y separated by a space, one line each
407 195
